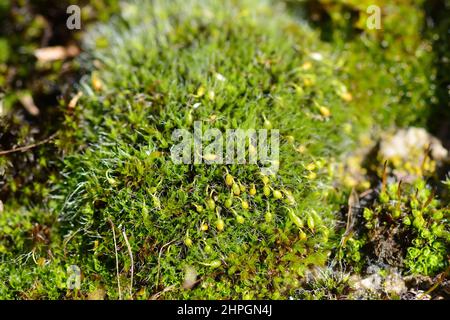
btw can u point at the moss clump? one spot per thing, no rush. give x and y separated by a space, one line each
406 227
244 233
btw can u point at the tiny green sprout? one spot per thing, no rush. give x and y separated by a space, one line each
384 197
438 230
229 180
414 203
425 233
252 191
396 213
368 214
211 204
416 213
438 215
406 221
236 190
199 208
277 194
228 203
266 191
418 222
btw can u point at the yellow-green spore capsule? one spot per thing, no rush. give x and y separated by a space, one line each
188 242
266 191
236 189
229 180
268 216
211 204
277 194
228 203
252 191
220 225
240 219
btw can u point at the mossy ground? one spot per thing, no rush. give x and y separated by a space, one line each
128 216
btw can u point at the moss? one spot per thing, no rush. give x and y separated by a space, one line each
148 89
121 201
406 227
26 26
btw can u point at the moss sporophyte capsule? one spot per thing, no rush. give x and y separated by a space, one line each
302 236
229 180
277 194
266 191
268 216
211 204
252 191
208 248
310 223
199 208
228 203
220 225
267 123
236 189
204 227
188 242
215 264
240 219
295 219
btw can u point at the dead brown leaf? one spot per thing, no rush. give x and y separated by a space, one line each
29 105
49 54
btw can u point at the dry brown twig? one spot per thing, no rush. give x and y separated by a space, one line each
28 147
